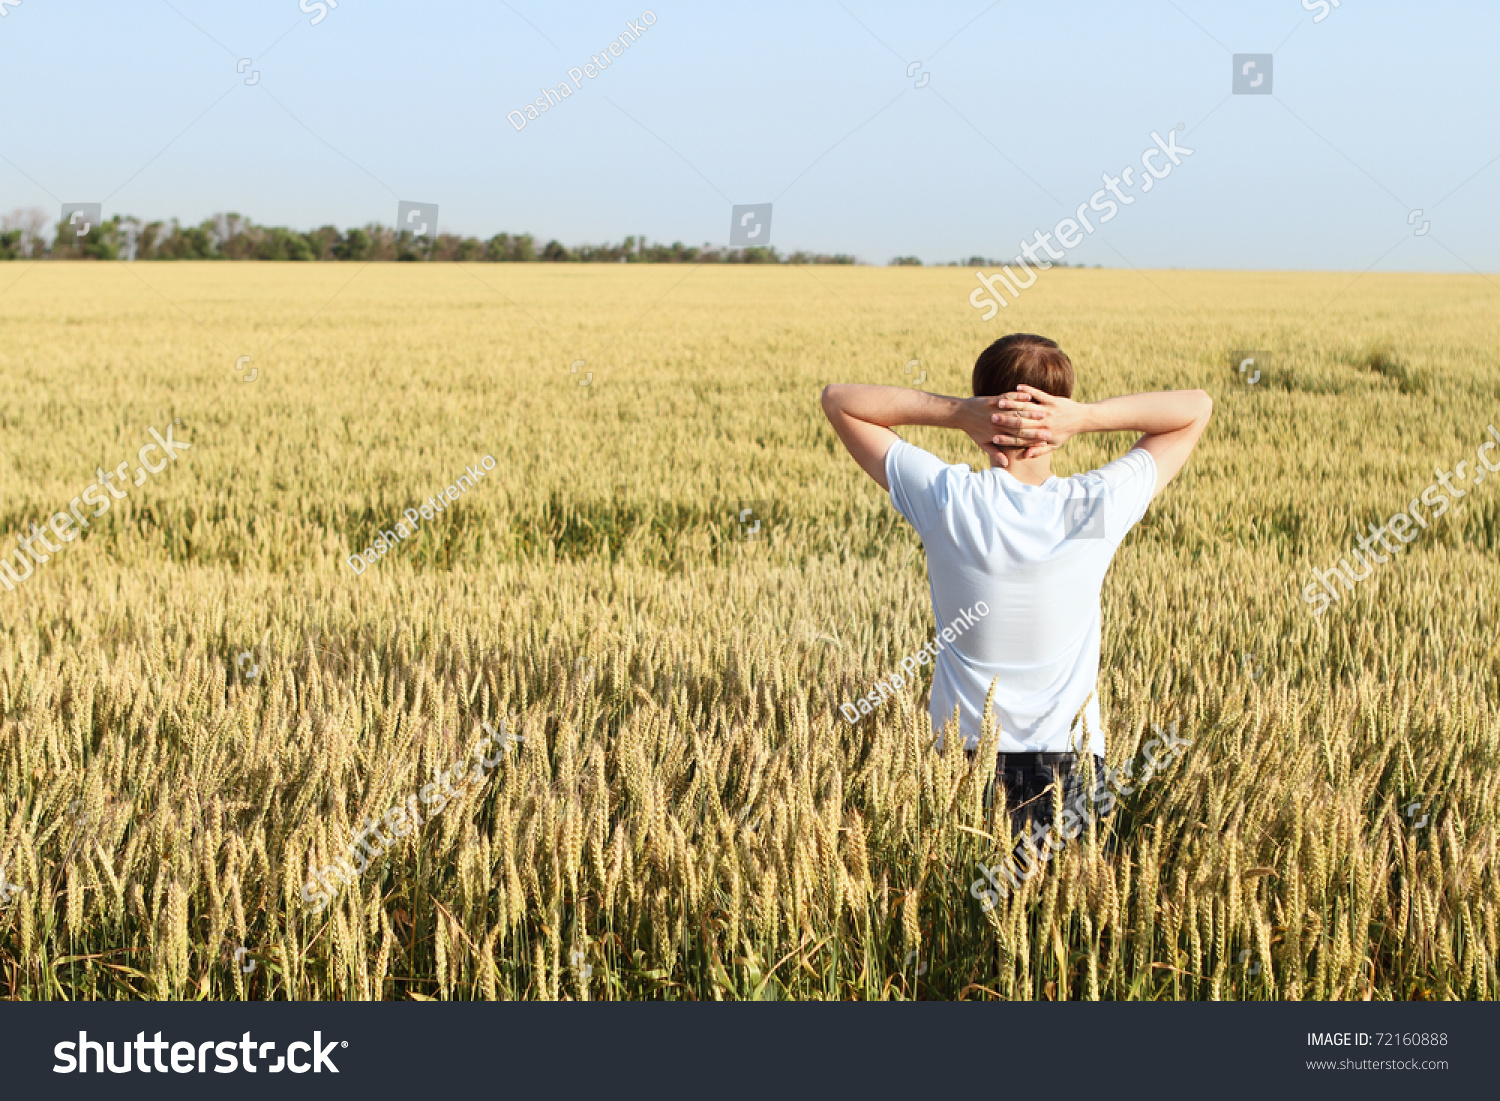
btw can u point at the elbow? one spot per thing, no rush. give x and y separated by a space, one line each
830 398
1205 405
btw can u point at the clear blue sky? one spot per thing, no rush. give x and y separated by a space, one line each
1378 109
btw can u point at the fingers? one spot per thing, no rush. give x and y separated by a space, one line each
1039 396
1015 413
1019 441
1040 449
1032 449
1029 432
1021 433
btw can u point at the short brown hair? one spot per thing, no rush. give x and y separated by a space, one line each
1023 357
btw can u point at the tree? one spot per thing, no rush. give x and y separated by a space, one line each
504 247
323 241
27 224
177 243
231 236
354 246
97 243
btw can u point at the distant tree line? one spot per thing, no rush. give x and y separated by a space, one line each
233 237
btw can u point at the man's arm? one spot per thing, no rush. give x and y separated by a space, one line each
1171 420
864 415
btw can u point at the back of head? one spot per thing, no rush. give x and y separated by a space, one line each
1023 358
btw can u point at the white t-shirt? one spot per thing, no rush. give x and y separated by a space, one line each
1036 557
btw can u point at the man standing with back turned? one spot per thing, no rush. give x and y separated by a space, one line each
1033 546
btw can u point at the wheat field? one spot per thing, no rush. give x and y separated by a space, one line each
203 702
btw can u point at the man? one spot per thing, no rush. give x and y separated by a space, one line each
1034 547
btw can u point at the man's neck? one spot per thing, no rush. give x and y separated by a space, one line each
1031 472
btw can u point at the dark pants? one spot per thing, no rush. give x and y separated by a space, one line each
1028 779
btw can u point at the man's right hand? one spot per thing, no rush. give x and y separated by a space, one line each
1171 422
1037 420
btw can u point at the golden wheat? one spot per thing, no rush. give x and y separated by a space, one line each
688 816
